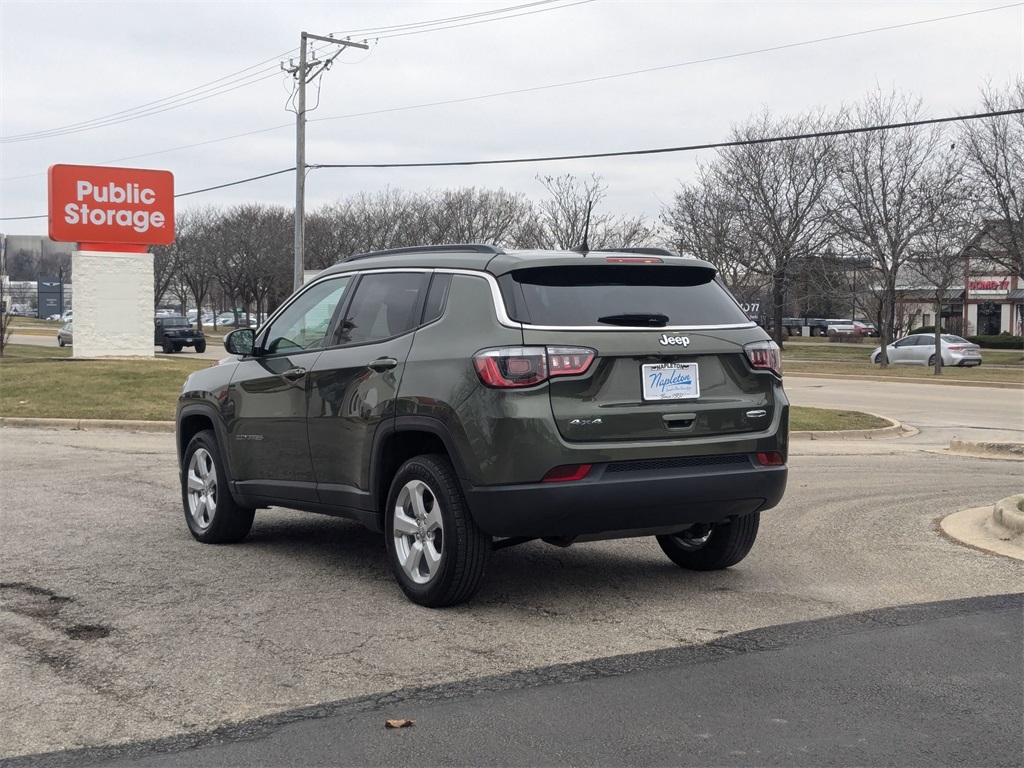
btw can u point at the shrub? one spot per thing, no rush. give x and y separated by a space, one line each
1002 341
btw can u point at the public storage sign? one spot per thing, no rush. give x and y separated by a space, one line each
99 205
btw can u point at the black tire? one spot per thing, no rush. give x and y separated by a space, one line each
60 341
211 512
877 360
931 362
712 547
436 550
200 347
167 346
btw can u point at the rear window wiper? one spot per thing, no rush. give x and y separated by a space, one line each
641 319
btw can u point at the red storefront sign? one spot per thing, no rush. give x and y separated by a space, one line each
989 284
105 208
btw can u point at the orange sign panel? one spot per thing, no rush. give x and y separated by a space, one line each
99 204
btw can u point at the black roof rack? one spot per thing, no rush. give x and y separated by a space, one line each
493 250
643 251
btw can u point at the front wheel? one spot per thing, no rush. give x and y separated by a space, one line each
437 552
200 347
713 546
212 514
931 362
60 341
167 346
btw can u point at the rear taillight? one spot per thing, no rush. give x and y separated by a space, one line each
567 473
770 459
765 356
956 348
509 367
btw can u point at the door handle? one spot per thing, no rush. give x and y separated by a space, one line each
294 373
384 364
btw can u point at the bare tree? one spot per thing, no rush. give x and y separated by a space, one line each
951 207
885 181
707 222
994 149
471 215
6 318
780 187
568 214
196 230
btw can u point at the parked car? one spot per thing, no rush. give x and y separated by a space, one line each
837 327
463 399
65 335
175 333
919 349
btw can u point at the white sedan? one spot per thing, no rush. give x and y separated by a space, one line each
919 349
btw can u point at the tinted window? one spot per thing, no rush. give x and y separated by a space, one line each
580 295
384 305
433 307
176 322
304 323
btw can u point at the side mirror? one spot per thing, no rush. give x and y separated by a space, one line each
240 341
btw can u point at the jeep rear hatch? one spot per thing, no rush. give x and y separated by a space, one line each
673 353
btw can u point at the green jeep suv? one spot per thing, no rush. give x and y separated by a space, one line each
460 399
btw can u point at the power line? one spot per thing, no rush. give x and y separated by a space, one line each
598 155
240 79
686 148
553 85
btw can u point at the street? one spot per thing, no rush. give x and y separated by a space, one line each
116 627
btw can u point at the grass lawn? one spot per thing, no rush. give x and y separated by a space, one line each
46 382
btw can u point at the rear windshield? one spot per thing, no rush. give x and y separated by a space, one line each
608 295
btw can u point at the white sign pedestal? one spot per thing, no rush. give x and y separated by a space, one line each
113 304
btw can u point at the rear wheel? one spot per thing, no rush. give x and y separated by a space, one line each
713 546
212 514
436 550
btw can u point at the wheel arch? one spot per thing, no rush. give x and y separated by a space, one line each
406 437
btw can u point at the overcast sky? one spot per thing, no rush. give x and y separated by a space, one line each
506 86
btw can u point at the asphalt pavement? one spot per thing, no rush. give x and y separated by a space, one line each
938 684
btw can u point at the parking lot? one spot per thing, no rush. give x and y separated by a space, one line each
117 626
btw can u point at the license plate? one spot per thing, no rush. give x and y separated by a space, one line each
670 381
188 341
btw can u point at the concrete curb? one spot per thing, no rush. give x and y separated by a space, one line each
1008 513
895 429
906 380
85 424
976 528
988 450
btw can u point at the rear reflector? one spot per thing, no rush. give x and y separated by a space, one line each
567 473
770 459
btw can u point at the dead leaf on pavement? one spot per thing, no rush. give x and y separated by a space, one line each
398 723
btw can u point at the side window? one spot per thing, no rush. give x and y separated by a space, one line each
384 305
437 295
304 324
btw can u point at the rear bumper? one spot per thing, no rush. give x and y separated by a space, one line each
630 497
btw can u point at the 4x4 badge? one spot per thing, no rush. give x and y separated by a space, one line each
669 341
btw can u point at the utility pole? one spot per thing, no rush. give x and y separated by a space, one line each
304 73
